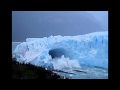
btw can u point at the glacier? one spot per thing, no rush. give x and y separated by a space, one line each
73 51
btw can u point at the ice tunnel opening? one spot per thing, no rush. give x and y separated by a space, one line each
57 52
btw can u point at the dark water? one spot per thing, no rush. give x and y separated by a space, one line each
92 73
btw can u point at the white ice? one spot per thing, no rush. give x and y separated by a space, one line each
89 49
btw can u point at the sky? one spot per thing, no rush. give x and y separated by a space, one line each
102 16
99 14
38 24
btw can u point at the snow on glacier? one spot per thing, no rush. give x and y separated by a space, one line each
89 49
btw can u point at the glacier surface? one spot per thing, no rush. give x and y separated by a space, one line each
88 50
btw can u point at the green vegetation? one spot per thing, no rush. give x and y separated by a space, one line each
29 71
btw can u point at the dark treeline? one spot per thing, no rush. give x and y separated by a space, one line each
29 71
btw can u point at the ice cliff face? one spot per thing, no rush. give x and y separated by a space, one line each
89 49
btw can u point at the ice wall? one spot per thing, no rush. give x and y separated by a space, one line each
89 49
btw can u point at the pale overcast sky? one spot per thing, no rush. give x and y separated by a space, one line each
26 24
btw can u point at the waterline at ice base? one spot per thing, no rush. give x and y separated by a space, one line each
87 53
